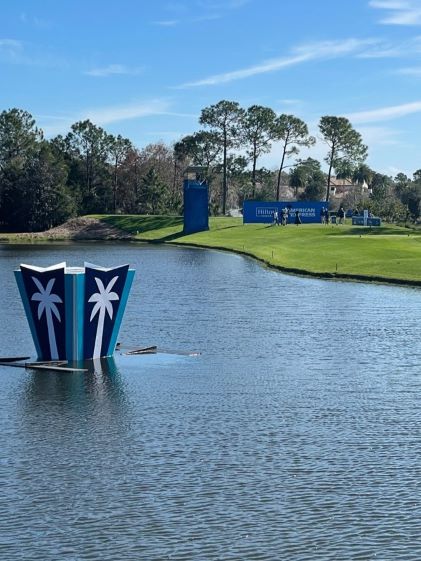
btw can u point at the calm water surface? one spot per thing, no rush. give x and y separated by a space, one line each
295 435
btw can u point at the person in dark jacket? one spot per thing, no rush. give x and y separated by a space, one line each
297 220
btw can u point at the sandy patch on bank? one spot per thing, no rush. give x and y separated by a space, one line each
82 228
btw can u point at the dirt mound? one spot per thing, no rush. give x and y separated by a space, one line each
85 228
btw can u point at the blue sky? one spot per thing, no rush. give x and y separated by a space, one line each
145 69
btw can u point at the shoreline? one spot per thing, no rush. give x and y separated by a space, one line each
94 230
346 277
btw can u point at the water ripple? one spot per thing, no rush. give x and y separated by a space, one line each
295 435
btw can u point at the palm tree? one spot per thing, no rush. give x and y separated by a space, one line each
296 179
47 303
363 174
102 300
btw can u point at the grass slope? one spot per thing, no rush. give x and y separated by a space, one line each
389 252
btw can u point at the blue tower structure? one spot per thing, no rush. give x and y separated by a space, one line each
196 201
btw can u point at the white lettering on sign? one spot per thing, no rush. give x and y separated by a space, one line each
265 211
308 212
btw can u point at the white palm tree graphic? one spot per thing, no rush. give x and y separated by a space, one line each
103 300
47 304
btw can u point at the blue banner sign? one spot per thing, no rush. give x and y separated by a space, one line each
264 211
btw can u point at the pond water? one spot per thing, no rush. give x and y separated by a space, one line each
296 434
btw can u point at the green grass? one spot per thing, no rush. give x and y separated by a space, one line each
388 252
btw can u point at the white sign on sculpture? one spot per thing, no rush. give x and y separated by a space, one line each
103 304
47 303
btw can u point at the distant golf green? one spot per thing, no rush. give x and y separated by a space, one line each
389 253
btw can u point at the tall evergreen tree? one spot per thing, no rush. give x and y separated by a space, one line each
224 119
292 133
91 144
19 142
258 132
119 148
346 148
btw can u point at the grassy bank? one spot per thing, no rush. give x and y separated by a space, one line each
389 253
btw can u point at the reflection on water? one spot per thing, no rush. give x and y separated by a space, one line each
101 383
294 435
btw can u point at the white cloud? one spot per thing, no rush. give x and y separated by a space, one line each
389 4
11 44
224 5
304 53
116 113
385 113
289 101
379 135
34 20
168 135
403 49
112 70
187 21
53 125
209 17
399 12
167 22
11 50
411 71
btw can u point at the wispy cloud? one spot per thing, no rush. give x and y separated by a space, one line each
35 21
410 71
290 101
11 50
102 116
379 135
389 49
206 17
116 113
305 53
205 10
112 70
385 113
187 21
225 5
399 12
168 135
167 22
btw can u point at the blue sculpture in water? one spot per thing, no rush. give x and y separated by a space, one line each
74 313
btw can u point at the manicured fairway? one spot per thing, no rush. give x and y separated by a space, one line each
389 252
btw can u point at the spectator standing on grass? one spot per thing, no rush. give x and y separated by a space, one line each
341 215
326 216
297 220
284 216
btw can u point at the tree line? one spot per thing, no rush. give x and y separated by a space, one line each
44 182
